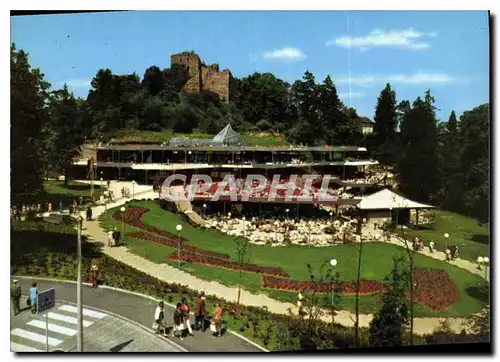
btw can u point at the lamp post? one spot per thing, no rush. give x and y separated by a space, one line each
484 260
204 210
333 263
287 211
106 195
79 308
179 229
101 183
243 218
331 215
446 236
122 209
133 190
229 215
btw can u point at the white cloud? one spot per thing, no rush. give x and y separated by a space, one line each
411 79
354 95
286 53
409 39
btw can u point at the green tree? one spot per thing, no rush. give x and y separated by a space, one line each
262 97
388 326
418 163
451 178
65 130
305 104
386 123
28 97
474 138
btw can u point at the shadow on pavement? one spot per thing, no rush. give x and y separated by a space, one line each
120 346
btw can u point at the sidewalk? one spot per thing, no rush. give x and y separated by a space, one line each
139 310
170 274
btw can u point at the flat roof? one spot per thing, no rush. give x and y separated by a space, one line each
139 147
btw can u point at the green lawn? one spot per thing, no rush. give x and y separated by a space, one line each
56 191
376 261
471 237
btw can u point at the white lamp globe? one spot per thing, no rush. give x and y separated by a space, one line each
333 262
229 214
122 209
486 260
178 227
480 259
331 213
204 205
446 235
287 210
243 218
364 220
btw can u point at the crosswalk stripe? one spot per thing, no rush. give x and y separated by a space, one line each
16 347
52 327
68 319
35 337
86 312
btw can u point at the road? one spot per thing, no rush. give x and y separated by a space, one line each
132 307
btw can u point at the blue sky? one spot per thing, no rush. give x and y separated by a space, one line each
447 52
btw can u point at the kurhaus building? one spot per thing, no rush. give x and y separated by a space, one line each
225 154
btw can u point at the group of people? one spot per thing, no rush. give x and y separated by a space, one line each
15 296
113 237
452 253
181 318
125 192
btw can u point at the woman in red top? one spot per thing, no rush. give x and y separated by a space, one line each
185 309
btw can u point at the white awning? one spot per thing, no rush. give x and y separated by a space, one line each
386 199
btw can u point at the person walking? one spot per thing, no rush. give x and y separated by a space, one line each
94 273
200 312
178 327
218 320
110 238
159 323
33 297
89 213
15 296
116 236
187 322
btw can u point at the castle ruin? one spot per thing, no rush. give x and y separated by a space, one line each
203 77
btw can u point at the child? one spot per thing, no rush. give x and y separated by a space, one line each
178 319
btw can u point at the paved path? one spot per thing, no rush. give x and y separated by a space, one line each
138 312
170 274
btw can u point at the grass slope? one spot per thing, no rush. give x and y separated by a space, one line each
472 238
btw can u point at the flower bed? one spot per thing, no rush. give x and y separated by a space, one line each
225 264
367 287
173 243
132 217
434 288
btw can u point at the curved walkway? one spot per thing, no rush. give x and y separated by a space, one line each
138 310
170 274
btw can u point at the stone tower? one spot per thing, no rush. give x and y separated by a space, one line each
203 77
